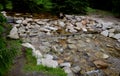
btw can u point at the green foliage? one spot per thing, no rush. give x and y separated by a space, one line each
107 5
2 18
9 5
5 5
70 6
1 7
46 4
31 6
31 66
116 6
8 48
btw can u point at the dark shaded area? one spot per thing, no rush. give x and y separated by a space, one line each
57 6
109 5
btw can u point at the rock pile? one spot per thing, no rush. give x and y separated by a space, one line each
73 43
70 24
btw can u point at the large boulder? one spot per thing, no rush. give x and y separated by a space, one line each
49 63
14 33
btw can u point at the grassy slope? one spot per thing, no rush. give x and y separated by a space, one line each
31 66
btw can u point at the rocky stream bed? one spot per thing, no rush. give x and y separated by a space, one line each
81 45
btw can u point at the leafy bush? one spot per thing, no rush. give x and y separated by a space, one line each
31 6
116 6
108 5
70 6
5 5
2 18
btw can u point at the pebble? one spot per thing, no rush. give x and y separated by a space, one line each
65 64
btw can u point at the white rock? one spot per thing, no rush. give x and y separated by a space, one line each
111 30
51 28
107 25
41 22
18 21
48 56
105 56
72 46
39 61
68 71
76 69
4 13
84 29
62 24
78 19
111 34
29 19
25 22
34 52
49 63
69 16
66 64
28 45
79 24
105 33
38 54
117 36
17 25
118 40
99 25
70 28
14 33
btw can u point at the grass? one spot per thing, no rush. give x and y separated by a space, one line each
9 49
31 66
91 11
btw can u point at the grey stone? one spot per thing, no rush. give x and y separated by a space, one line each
76 69
99 25
118 40
46 43
17 25
14 33
44 48
107 25
95 73
68 71
117 36
65 64
111 34
41 22
49 63
37 54
39 61
24 22
72 46
62 24
111 30
105 33
28 45
78 19
48 56
71 41
18 21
